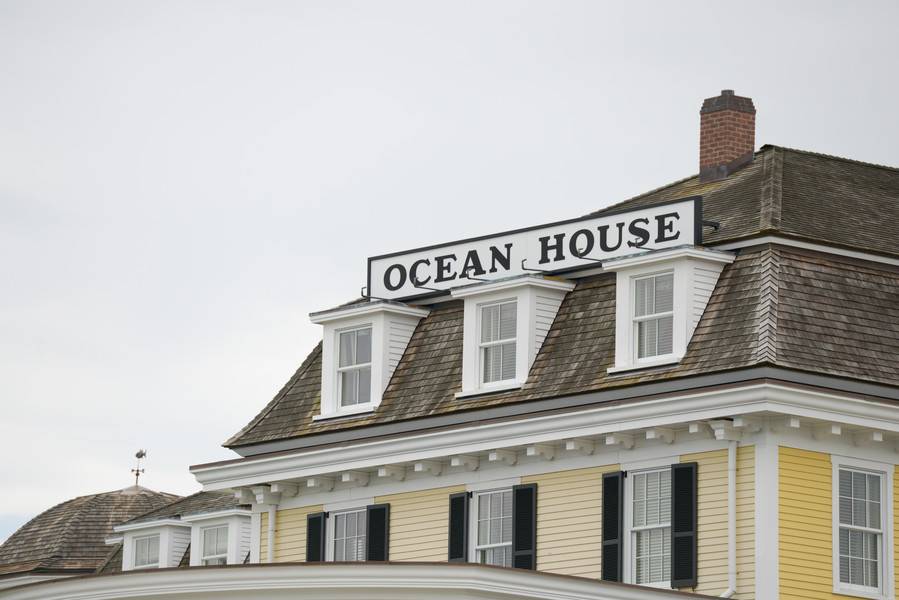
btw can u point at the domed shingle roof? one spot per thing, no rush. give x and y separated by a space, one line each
71 536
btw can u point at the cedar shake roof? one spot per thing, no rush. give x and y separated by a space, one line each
794 193
201 502
774 305
71 537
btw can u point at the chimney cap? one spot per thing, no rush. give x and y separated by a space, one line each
728 101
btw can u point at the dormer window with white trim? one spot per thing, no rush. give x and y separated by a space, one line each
498 341
146 552
505 323
660 297
361 346
215 545
354 367
654 315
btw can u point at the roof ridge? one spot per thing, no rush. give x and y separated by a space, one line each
771 204
766 323
304 366
831 156
758 153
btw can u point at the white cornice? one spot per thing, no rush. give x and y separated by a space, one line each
656 256
596 421
167 522
783 241
327 316
220 514
512 283
373 581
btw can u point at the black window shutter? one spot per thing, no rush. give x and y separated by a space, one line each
524 526
612 525
315 537
458 527
377 532
683 525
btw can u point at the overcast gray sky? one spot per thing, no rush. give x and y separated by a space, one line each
181 183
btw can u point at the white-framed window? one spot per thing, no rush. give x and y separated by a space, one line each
354 366
347 533
491 527
498 340
215 545
146 552
860 513
649 527
654 315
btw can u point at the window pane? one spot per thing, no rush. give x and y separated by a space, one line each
363 346
859 513
664 293
493 363
348 388
489 323
364 383
845 511
508 361
874 487
845 483
646 338
209 542
643 289
859 484
154 549
347 346
221 546
874 515
507 321
665 335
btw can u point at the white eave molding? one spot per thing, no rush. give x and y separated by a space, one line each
377 581
590 423
221 514
168 522
367 308
656 256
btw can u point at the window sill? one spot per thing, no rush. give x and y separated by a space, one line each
346 412
859 592
647 364
512 385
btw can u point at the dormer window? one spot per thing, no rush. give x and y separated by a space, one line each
361 346
215 545
654 315
498 341
659 298
146 552
354 367
505 323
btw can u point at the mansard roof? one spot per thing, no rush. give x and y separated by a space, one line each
774 305
71 536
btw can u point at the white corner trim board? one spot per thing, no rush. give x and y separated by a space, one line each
591 422
375 581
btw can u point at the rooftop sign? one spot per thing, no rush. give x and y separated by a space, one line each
553 248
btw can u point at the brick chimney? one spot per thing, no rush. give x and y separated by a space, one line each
726 135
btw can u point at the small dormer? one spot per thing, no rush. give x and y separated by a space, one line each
157 544
659 298
505 323
361 346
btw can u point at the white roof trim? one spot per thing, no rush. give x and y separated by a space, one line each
340 581
337 314
654 256
219 514
594 421
783 241
513 283
166 522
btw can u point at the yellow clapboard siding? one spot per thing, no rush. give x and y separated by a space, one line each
712 534
419 523
569 520
805 524
290 534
